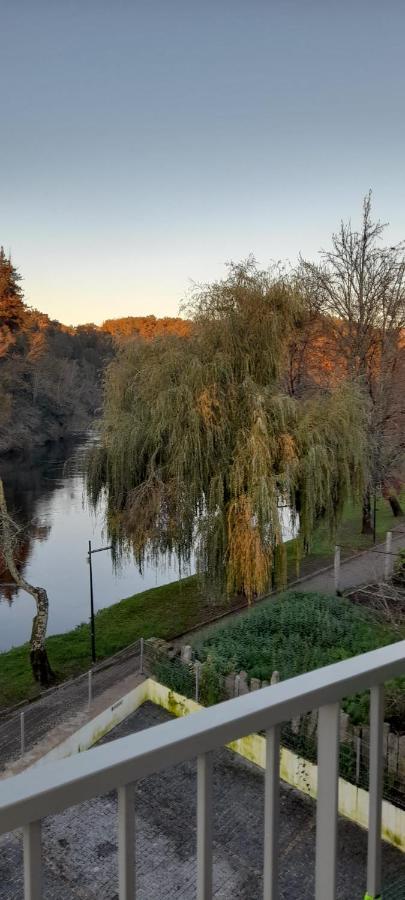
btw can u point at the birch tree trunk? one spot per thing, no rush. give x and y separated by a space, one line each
41 668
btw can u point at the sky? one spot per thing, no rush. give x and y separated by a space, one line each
144 144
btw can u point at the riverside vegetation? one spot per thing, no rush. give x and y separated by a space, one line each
207 425
51 375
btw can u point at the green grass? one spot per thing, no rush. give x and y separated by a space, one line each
348 536
160 612
164 612
296 633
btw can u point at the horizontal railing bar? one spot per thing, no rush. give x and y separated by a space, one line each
64 783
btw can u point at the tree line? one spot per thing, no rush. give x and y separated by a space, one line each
51 375
289 386
280 387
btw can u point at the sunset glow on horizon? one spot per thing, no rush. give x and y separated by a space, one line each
144 145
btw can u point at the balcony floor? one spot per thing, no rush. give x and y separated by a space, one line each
80 844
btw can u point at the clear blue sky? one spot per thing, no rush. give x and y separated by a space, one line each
143 144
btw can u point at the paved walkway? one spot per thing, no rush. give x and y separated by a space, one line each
60 712
80 845
365 568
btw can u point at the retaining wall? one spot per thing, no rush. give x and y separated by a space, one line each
294 770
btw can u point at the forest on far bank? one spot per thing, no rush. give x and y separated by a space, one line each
51 375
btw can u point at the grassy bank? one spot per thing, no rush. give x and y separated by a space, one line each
165 612
160 612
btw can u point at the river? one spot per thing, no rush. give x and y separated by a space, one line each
47 494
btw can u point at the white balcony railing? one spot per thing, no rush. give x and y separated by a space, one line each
25 800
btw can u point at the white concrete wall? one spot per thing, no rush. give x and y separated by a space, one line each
298 772
90 733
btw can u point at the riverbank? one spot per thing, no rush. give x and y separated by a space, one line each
162 612
167 612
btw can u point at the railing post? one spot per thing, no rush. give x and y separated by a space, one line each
141 657
388 558
126 843
204 827
336 569
237 685
375 793
271 814
32 861
90 687
22 732
327 802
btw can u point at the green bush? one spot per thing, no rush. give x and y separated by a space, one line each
295 633
174 674
211 684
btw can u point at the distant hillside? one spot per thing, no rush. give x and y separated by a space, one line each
51 375
50 380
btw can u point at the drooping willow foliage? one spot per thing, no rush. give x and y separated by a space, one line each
201 443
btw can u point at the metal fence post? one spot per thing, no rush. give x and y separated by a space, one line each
22 732
358 747
387 558
237 685
336 568
90 686
141 657
197 667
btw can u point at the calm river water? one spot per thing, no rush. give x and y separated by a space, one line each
48 492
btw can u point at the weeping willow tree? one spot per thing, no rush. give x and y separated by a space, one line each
201 443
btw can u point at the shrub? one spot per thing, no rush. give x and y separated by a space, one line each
211 684
295 633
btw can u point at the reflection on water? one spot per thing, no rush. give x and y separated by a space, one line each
45 494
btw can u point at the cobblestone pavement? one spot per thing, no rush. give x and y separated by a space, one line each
80 845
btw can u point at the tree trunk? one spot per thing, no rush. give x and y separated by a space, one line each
367 523
395 505
40 665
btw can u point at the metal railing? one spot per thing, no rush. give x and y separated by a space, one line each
24 802
25 726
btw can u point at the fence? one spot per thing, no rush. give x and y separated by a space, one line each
194 681
25 801
389 555
25 726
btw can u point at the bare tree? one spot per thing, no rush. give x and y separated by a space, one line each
359 287
9 537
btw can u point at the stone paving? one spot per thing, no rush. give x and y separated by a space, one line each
80 845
